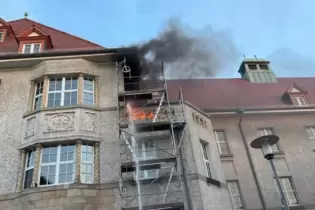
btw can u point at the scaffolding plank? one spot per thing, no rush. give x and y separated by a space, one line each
141 91
145 164
173 206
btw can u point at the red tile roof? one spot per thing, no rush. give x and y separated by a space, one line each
60 40
239 93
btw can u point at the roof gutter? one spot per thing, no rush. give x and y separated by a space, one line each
261 197
117 51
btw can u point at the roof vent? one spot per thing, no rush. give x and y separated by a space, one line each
25 14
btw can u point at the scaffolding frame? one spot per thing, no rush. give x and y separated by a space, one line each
159 116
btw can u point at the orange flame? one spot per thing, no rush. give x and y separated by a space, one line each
138 113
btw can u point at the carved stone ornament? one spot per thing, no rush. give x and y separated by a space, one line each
59 122
90 121
30 127
199 119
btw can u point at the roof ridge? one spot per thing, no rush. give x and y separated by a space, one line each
57 30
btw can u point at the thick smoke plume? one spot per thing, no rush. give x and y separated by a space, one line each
187 53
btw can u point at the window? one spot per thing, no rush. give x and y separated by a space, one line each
298 101
252 66
62 91
263 66
29 168
31 48
222 144
1 36
146 150
235 196
269 131
57 165
87 157
310 132
203 146
288 190
88 91
38 95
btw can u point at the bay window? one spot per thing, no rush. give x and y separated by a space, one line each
63 91
58 164
203 146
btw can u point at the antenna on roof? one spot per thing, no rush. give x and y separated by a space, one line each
244 56
25 14
255 57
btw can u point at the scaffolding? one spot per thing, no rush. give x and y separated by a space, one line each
150 135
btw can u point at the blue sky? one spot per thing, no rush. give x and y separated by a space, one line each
282 30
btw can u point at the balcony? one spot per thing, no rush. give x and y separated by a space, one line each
60 125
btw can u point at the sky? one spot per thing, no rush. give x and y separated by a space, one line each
281 31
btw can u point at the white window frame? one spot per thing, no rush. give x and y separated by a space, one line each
220 141
145 157
63 90
312 128
57 164
32 47
203 147
87 162
88 91
264 131
235 195
1 37
286 191
300 99
39 95
30 167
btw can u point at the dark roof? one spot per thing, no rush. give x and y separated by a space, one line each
60 39
239 93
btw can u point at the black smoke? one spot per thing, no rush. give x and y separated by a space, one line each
186 52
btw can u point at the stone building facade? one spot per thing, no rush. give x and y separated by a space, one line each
63 144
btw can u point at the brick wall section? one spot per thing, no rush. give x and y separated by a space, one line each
65 197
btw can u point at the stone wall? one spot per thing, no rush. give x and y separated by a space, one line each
295 159
64 197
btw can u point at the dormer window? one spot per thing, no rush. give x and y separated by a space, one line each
31 48
263 66
252 66
298 101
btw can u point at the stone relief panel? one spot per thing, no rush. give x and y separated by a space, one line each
199 119
56 122
90 121
30 127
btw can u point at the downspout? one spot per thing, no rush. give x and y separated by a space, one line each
189 202
263 203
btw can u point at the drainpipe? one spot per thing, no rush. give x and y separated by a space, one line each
240 112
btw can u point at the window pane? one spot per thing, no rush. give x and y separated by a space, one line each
88 98
38 103
36 48
27 48
28 178
220 135
58 83
88 84
223 148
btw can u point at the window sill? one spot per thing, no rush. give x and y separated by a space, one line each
214 182
226 155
